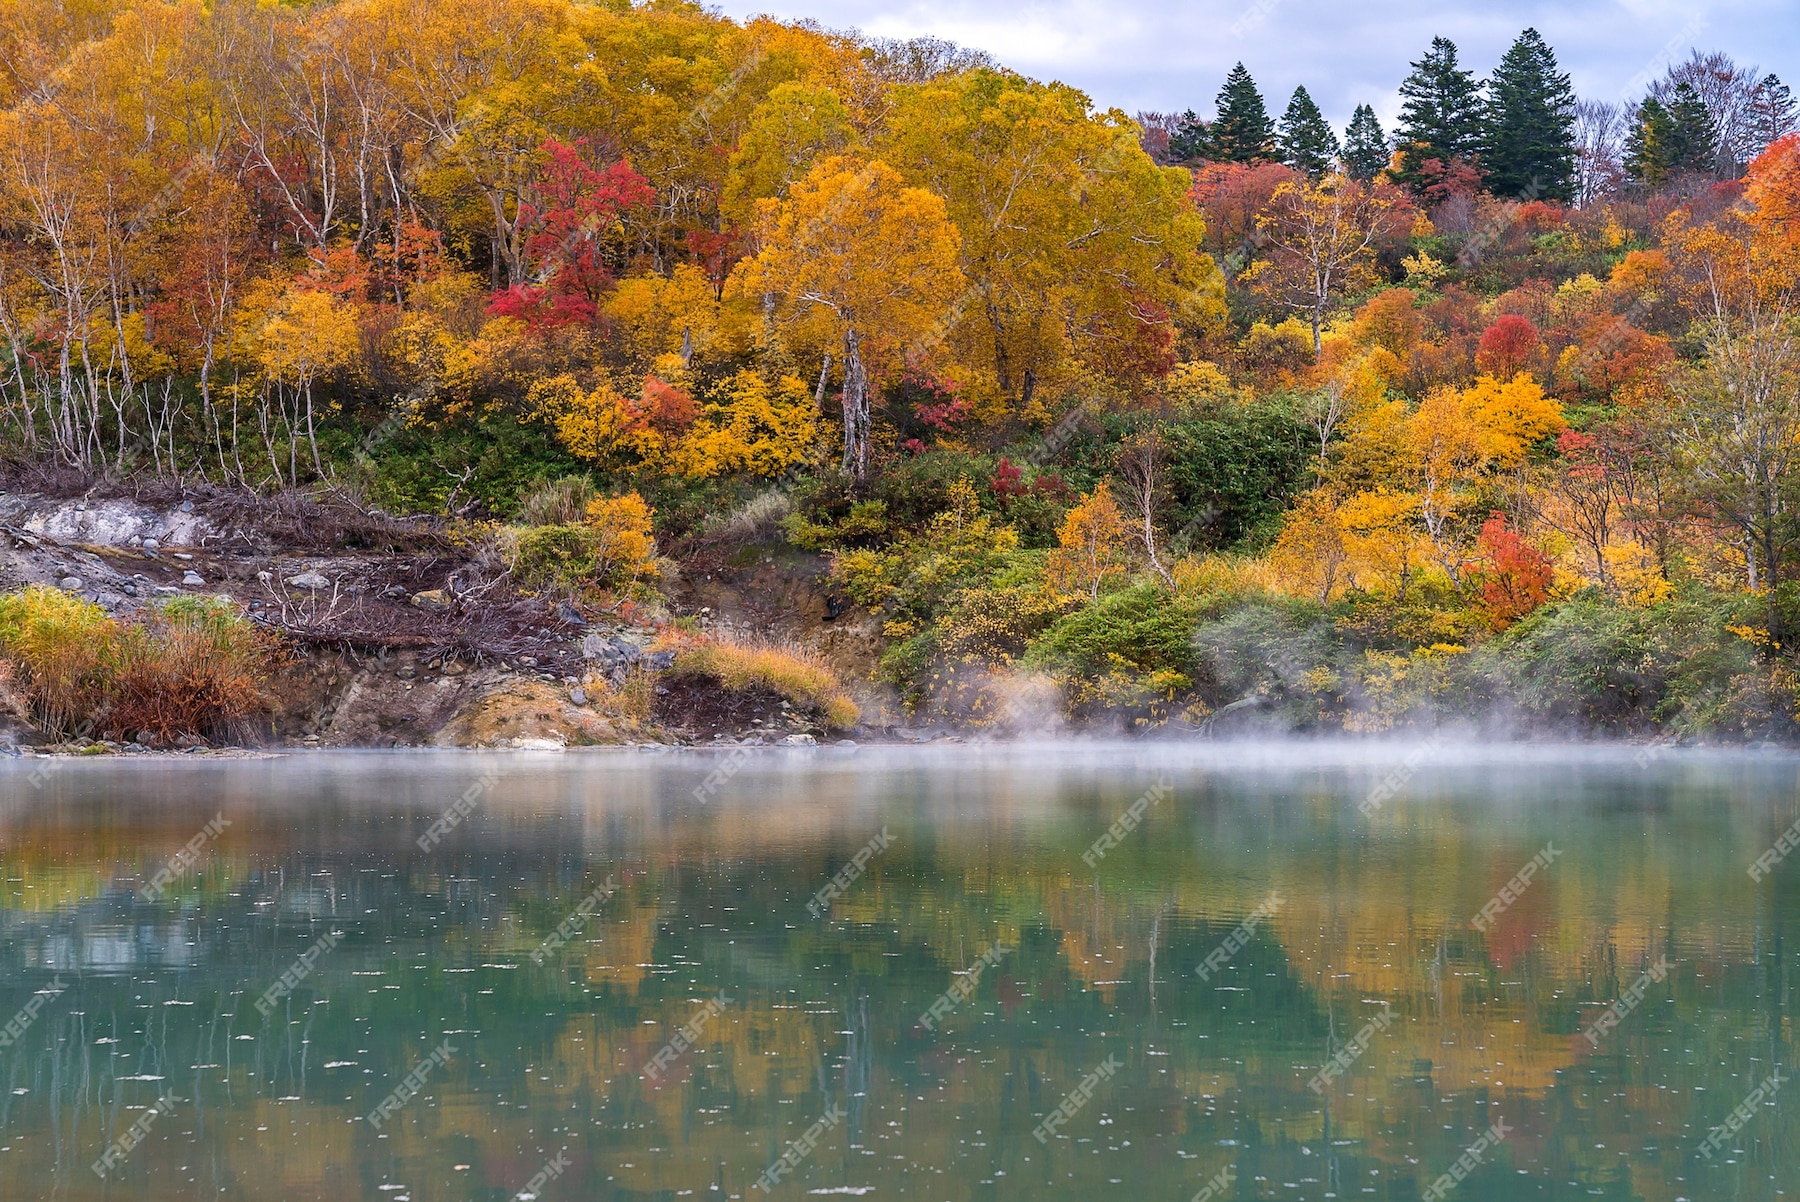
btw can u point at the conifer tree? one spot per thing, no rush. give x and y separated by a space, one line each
1365 145
1242 132
1441 114
1305 141
1672 139
1529 143
1189 139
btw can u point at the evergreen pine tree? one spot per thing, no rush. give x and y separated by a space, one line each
1696 142
1670 139
1189 139
1242 132
1365 146
1647 144
1772 113
1529 143
1441 114
1305 141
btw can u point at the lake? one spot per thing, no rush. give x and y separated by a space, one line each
952 972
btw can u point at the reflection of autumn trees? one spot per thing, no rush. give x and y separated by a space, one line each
714 903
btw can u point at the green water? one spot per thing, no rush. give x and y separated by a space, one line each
569 1063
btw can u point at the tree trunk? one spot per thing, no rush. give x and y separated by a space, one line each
856 409
824 378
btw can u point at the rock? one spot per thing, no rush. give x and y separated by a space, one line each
151 547
594 647
800 741
528 660
134 541
624 650
70 584
192 579
434 600
659 661
187 507
453 668
182 555
145 738
395 592
567 613
313 581
578 696
265 578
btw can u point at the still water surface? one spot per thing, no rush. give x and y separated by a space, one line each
696 1020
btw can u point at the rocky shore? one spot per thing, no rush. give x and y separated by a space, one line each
397 632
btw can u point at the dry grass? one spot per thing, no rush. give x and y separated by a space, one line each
193 666
797 675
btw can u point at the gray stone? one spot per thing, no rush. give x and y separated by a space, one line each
659 661
192 579
578 696
151 547
800 741
310 580
594 647
70 583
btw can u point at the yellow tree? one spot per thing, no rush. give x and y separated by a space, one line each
1081 252
855 257
1322 239
306 335
1458 435
1090 545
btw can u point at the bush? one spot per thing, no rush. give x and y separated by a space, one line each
1130 650
191 666
562 502
610 548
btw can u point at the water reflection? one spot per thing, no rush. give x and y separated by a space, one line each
1486 1029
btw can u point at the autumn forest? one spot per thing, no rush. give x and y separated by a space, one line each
1174 420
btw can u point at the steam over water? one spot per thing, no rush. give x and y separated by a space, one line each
1074 972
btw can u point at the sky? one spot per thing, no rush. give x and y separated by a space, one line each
1157 55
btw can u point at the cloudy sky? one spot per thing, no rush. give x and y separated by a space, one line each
1173 54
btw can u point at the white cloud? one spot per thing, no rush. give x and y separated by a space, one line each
1153 54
